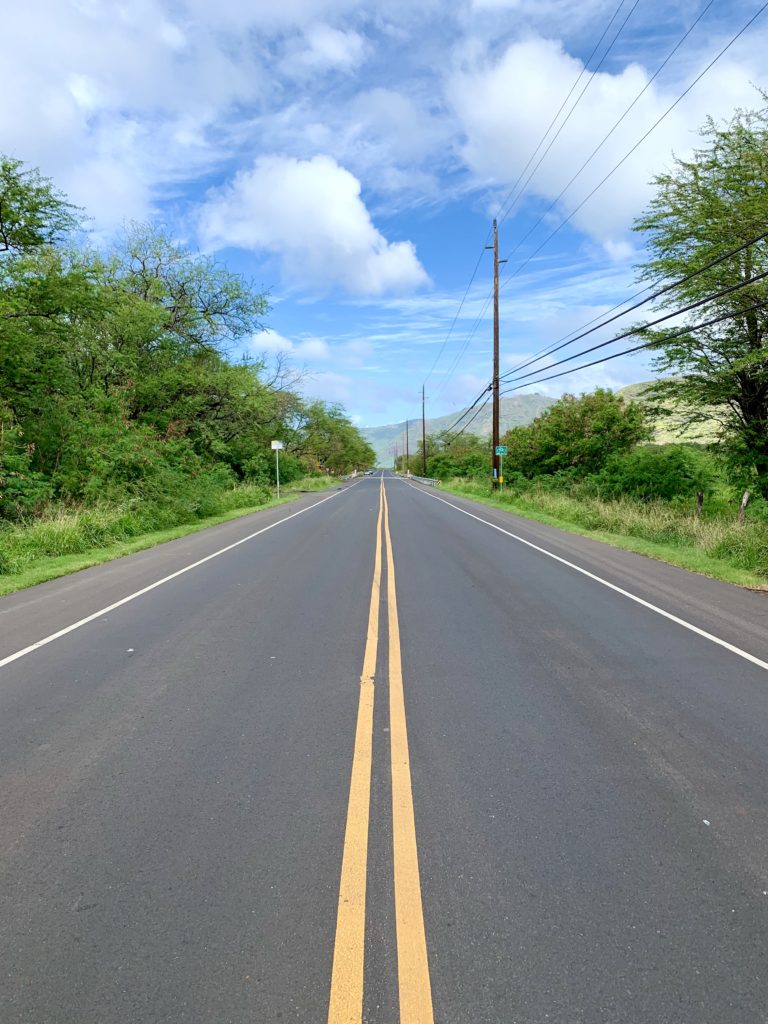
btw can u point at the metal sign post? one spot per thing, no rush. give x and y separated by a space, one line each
501 451
276 446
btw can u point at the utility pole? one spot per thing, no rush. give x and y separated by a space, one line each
423 435
407 451
495 385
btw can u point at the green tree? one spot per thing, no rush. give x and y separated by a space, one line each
32 212
576 435
326 440
206 306
117 380
703 208
456 455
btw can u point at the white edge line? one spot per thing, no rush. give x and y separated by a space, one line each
611 586
158 583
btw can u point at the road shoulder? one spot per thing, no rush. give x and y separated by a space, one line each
734 613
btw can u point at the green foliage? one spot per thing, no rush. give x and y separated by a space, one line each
116 381
451 455
703 208
325 438
717 545
461 455
657 471
576 436
32 212
22 490
76 530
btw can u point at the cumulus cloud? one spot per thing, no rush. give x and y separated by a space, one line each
117 103
310 214
505 104
328 47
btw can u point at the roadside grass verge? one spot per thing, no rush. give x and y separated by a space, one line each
69 539
713 546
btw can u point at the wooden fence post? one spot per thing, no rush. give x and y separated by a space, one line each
743 507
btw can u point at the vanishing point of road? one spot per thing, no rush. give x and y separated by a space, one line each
384 755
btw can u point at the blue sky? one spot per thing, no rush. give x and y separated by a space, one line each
349 155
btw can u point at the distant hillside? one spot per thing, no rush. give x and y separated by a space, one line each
667 428
514 412
518 411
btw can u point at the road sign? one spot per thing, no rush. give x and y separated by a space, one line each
502 449
277 447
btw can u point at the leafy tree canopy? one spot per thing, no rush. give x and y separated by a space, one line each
703 208
32 211
576 435
117 377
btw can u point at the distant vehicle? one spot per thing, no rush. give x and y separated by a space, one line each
369 472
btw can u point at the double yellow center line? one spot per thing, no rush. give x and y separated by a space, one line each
347 978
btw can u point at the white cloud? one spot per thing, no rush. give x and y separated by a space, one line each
331 387
269 341
506 103
311 215
329 47
117 102
267 15
313 349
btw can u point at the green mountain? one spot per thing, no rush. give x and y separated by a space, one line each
515 411
518 411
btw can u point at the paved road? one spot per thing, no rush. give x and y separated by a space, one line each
381 761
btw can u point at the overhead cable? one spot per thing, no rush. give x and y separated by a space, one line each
570 339
469 409
652 323
504 214
616 124
645 345
640 141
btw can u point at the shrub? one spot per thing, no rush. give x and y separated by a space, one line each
577 435
657 471
22 490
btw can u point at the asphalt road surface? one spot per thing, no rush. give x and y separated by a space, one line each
384 755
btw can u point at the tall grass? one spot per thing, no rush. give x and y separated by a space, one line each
76 530
719 537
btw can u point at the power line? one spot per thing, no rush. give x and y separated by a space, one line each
634 331
468 409
616 124
600 184
467 340
502 216
646 345
661 291
640 141
466 425
652 323
458 313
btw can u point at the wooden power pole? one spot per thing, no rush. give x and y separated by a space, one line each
423 435
495 386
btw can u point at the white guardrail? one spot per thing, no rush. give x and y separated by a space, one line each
428 480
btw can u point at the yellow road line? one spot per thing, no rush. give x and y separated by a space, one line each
412 964
346 1001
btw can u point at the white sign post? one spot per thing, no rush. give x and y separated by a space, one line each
276 446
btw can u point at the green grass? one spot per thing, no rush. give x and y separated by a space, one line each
713 546
67 540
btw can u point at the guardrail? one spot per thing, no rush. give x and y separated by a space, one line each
428 480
